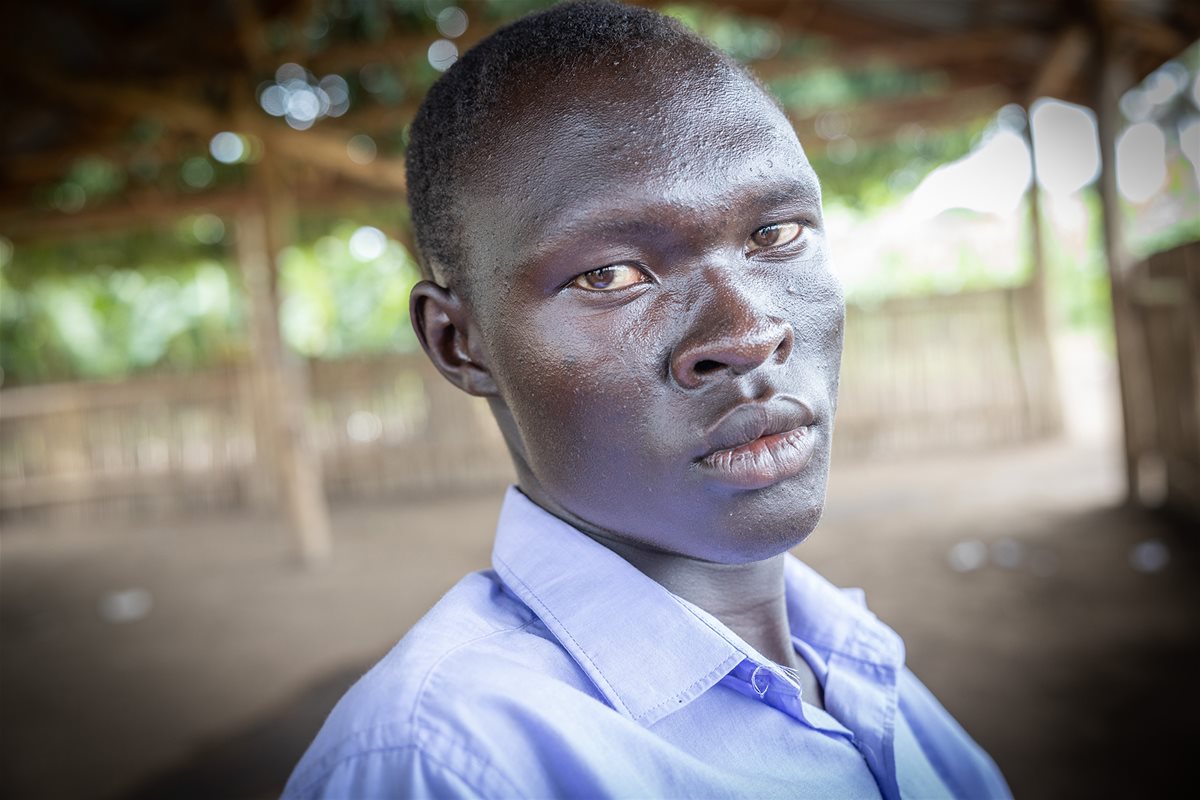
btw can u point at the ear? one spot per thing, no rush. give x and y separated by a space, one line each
445 332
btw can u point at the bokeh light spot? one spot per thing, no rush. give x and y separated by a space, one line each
442 54
1007 553
227 147
1149 556
967 556
126 605
367 243
361 149
452 22
273 100
1067 146
338 93
197 172
69 197
290 72
1141 161
841 150
208 229
364 426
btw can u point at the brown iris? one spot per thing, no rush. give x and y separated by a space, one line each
774 235
607 279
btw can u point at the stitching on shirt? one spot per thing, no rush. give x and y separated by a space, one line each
927 743
717 670
412 718
487 764
510 574
361 754
420 725
861 634
414 724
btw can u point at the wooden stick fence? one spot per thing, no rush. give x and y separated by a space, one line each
1164 437
919 374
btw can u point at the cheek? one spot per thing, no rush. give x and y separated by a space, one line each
574 383
820 319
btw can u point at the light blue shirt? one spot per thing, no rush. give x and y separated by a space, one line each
564 671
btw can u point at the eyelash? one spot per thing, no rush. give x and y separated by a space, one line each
801 227
646 278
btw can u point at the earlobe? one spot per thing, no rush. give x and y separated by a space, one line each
443 328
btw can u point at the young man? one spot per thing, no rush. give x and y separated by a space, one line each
625 254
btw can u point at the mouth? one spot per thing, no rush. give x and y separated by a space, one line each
760 444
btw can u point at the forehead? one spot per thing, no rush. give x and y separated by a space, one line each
632 140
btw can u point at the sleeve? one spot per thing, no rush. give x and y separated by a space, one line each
397 773
962 764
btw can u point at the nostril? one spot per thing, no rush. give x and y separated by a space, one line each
705 366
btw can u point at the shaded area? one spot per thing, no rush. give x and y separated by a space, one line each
1102 687
1073 668
255 761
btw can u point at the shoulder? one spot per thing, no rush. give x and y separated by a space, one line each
424 712
956 757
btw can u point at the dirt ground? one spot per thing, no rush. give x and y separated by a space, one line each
1058 628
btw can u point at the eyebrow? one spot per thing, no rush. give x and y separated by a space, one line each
630 224
781 193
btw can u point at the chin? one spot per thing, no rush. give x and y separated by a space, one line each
761 533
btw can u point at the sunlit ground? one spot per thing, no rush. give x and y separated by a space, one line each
188 658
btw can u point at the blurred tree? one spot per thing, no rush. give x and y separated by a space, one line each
114 305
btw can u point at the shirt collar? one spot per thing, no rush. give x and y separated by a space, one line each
648 651
837 621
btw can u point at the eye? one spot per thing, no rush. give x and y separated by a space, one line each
610 278
774 235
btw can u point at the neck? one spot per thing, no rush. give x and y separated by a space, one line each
749 599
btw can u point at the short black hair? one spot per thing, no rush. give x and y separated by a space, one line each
452 126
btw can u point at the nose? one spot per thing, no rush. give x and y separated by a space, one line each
733 339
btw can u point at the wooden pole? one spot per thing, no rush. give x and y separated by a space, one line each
1111 79
1045 372
282 410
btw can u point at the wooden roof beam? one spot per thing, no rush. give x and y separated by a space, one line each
1062 68
922 53
1152 37
317 147
146 210
134 211
251 34
820 17
872 122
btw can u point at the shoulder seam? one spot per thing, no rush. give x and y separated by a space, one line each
401 748
415 725
412 719
419 725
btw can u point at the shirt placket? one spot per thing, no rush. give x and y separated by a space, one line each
765 683
862 694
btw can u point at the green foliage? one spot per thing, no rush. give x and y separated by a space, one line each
112 322
746 39
828 87
337 302
109 306
1078 275
188 311
875 175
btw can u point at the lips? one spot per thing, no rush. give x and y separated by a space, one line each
756 445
